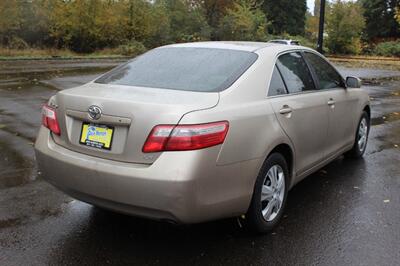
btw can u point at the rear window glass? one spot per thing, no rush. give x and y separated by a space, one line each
276 87
183 68
295 73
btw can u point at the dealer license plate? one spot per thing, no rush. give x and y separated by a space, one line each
96 136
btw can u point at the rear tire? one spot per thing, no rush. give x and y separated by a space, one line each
361 139
269 196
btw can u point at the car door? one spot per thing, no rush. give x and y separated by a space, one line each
341 102
302 112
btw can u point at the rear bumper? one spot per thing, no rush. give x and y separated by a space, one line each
185 187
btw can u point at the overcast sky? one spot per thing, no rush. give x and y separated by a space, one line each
310 5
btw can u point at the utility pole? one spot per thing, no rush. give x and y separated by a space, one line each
321 27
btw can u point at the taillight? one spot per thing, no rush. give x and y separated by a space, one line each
185 137
49 119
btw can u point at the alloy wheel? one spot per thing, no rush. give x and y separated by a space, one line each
362 134
272 192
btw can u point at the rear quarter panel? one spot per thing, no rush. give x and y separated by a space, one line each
253 127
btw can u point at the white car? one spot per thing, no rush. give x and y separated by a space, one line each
288 42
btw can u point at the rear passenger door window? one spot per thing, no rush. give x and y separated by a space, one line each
276 87
295 73
328 77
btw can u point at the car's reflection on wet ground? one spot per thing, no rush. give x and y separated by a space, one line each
346 213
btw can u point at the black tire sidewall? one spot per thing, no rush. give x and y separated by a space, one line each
254 216
356 149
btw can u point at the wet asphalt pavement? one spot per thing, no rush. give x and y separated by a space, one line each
346 213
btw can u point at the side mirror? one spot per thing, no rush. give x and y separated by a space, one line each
353 82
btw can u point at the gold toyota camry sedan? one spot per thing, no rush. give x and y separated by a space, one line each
194 132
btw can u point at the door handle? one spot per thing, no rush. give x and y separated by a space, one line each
331 102
285 110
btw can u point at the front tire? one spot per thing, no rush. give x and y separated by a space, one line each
269 196
361 140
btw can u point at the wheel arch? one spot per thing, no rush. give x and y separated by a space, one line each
288 154
367 109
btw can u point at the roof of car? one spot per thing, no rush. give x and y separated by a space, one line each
231 45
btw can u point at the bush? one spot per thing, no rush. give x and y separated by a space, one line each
133 48
17 43
388 49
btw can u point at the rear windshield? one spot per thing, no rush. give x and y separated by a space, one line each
183 68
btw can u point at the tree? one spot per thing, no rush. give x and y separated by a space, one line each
311 29
87 25
10 18
345 23
73 24
317 7
215 10
243 21
312 21
139 20
380 19
187 21
162 30
286 16
34 22
397 16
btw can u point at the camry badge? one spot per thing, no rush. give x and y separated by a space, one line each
94 112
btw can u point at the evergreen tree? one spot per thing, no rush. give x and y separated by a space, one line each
215 10
286 16
380 18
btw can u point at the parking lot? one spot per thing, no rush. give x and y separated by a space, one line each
346 213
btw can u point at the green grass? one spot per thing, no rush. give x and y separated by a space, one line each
388 63
42 54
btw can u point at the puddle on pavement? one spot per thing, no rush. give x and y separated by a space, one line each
16 133
4 112
385 137
15 169
22 129
391 117
384 145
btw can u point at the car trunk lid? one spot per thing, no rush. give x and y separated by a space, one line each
131 112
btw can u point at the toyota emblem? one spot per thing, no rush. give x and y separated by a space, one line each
94 112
